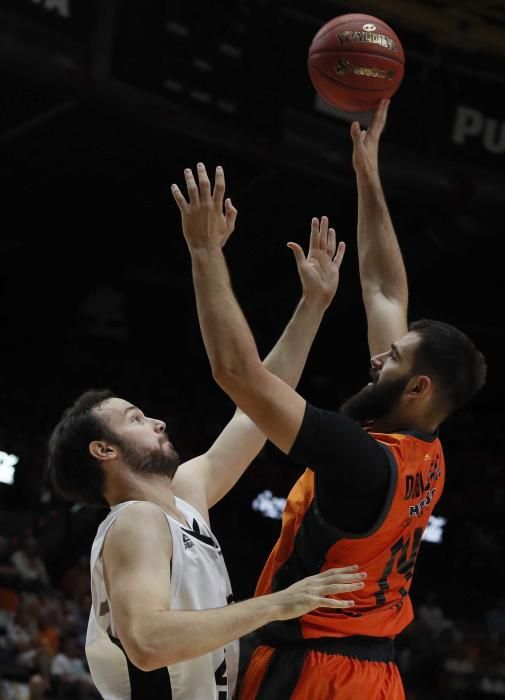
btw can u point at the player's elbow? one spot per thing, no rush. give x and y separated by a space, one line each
235 378
141 659
226 377
144 657
143 639
136 654
139 650
148 662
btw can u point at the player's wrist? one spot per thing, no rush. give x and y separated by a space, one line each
314 302
368 178
267 608
275 606
200 250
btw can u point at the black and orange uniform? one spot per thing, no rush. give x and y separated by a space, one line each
365 500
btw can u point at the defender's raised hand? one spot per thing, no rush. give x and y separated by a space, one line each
320 270
204 222
365 155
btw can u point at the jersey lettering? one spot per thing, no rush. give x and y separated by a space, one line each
404 565
222 680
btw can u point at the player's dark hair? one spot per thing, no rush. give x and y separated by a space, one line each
74 473
451 359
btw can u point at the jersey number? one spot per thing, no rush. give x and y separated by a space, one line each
221 680
404 564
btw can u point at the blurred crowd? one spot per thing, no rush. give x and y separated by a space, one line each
42 626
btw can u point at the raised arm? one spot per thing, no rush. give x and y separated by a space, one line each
274 406
137 567
204 480
381 268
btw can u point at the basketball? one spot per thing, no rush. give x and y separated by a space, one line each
355 61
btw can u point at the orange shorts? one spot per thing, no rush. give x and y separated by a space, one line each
288 674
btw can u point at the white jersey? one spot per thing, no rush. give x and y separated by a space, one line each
199 581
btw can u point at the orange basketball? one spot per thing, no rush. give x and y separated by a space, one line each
355 61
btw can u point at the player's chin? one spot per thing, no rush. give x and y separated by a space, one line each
173 455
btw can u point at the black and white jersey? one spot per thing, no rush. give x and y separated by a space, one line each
199 581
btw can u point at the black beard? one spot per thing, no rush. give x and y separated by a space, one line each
375 400
142 460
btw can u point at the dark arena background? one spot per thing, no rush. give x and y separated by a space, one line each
102 105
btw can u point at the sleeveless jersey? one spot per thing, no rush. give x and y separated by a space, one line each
308 545
199 581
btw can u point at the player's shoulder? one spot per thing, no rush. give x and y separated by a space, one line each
138 519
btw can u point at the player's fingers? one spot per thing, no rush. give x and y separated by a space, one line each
379 119
343 580
230 213
383 114
204 182
339 255
194 197
332 243
323 234
179 198
351 577
219 188
335 603
336 588
355 132
340 570
298 252
314 234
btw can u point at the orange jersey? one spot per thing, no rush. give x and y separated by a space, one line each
307 545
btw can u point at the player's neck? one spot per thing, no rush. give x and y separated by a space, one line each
154 488
394 425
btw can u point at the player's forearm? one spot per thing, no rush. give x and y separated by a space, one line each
289 355
170 636
380 260
228 340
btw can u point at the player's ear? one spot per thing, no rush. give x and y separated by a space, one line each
418 386
101 450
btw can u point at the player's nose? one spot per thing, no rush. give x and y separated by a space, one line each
377 361
159 425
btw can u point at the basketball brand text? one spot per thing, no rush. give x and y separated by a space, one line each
343 66
370 38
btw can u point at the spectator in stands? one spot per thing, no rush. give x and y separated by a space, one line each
76 580
69 674
8 572
48 635
23 643
30 566
9 582
430 613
